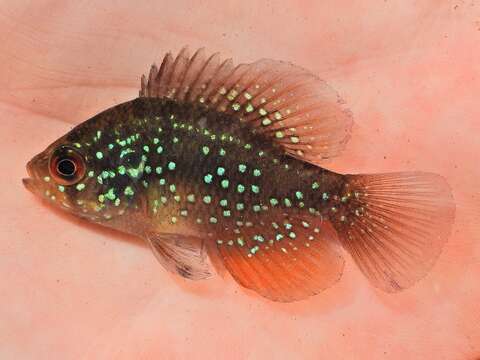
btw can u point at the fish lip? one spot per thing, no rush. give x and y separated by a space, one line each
30 181
29 184
29 167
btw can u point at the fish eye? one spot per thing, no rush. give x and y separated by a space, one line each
67 166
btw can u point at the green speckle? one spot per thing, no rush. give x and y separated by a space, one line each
174 220
257 172
172 188
287 202
279 237
240 206
266 122
256 208
240 188
254 249
162 181
99 180
292 235
220 171
223 202
46 179
184 213
134 173
126 152
158 170
325 196
80 187
315 185
171 165
163 199
255 189
99 155
176 198
146 148
156 141
91 173
110 195
258 238
205 150
273 201
213 220
117 202
159 149
299 195
225 183
248 146
145 184
104 174
208 178
128 191
222 152
242 168
207 199
110 146
279 135
240 242
61 188
191 198
148 169
101 198
77 145
226 213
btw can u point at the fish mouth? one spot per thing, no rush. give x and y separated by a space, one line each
30 182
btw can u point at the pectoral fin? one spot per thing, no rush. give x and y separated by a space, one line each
183 255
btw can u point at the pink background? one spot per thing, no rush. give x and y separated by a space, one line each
409 71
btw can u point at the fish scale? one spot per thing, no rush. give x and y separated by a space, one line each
167 121
219 160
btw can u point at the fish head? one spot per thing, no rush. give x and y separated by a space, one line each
78 173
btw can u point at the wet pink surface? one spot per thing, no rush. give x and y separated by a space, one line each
72 291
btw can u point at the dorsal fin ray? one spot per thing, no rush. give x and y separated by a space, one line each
286 103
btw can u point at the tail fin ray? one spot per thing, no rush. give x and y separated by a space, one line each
395 225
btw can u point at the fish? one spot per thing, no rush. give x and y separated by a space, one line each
220 161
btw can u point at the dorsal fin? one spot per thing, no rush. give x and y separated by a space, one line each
286 103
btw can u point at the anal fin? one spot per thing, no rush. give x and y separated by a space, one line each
285 260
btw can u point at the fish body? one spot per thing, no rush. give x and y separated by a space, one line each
213 159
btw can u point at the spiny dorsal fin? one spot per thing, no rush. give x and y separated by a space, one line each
286 103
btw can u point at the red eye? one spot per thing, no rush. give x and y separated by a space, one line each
67 166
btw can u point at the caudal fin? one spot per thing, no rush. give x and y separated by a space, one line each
395 225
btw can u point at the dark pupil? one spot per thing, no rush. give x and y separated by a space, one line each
66 167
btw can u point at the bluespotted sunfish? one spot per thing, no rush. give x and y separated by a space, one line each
219 160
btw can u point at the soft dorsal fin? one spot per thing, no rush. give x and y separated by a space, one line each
286 103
